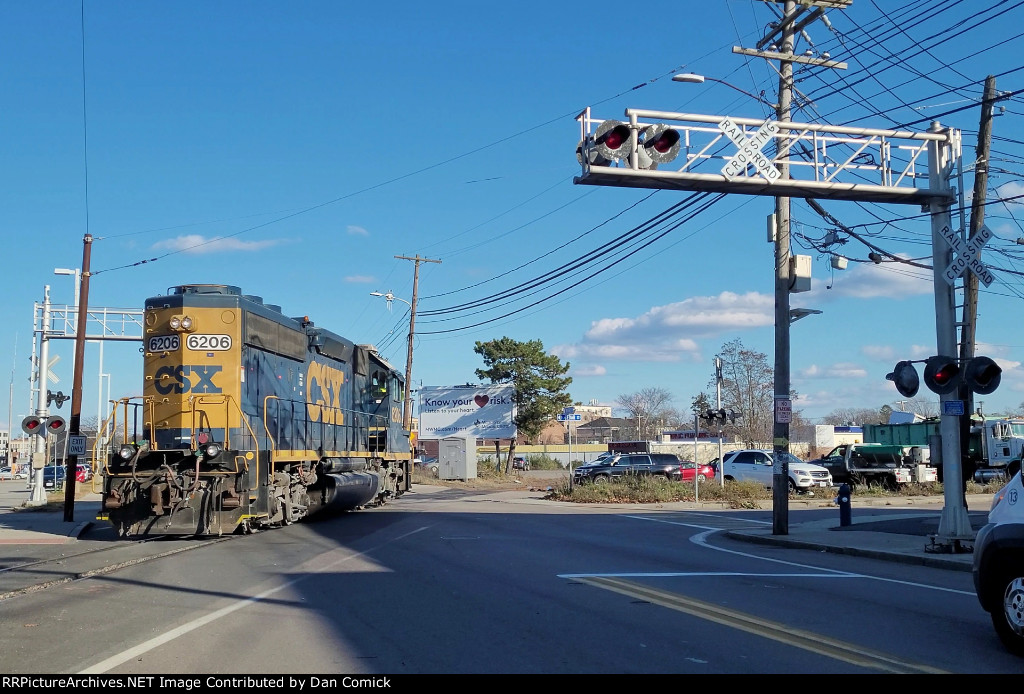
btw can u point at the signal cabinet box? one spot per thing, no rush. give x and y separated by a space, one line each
456 457
800 273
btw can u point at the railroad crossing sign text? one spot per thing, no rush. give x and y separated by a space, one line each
967 253
750 150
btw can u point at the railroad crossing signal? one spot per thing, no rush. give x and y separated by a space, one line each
967 253
750 150
37 425
613 140
943 375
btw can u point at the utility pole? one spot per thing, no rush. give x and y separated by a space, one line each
407 405
786 30
969 328
718 392
75 425
780 429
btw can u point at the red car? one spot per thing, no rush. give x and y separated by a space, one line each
689 469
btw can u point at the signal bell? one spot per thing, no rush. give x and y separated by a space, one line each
904 375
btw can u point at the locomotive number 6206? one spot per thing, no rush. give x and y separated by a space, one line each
213 343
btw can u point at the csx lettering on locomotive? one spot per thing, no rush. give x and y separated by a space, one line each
323 393
186 379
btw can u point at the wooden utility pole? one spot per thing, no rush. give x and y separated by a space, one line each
792 22
407 405
75 425
969 315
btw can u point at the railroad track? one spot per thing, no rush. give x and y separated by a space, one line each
43 574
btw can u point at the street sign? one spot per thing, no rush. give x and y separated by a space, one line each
569 417
568 410
576 417
76 445
561 417
783 411
750 150
967 253
953 407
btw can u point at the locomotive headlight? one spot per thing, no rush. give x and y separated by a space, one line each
127 451
181 323
212 450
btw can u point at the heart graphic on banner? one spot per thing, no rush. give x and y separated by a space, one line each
481 400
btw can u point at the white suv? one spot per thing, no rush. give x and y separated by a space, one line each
758 466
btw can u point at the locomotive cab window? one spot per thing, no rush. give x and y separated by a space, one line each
379 385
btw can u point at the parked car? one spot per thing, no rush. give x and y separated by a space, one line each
84 473
426 464
758 466
520 463
53 476
690 470
7 474
620 464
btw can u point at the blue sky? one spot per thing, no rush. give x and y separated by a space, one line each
294 149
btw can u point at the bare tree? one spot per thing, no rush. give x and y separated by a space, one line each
646 408
748 387
855 415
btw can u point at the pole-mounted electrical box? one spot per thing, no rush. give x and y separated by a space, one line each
799 273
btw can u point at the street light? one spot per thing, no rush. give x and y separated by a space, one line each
407 405
699 79
78 279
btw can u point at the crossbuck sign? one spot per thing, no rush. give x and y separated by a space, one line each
750 150
967 253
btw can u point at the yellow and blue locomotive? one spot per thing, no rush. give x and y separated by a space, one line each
249 419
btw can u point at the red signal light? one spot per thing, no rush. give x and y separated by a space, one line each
616 137
55 425
941 374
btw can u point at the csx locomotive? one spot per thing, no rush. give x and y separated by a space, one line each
249 419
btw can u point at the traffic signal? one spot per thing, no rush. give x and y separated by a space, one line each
33 425
982 375
55 425
904 375
658 144
37 425
941 374
612 140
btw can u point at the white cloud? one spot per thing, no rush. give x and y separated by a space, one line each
1010 190
592 370
197 244
878 352
669 333
357 231
842 370
870 281
360 279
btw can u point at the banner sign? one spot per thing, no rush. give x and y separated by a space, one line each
481 411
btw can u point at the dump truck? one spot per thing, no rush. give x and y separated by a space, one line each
885 465
994 448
